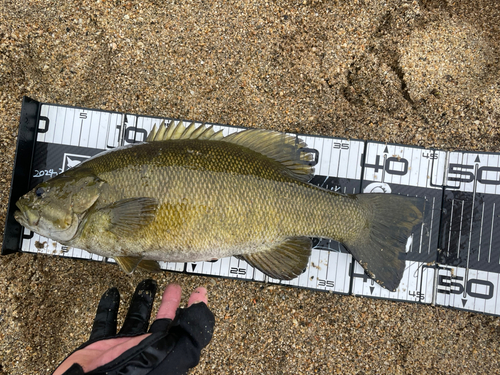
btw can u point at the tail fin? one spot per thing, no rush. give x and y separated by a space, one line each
381 248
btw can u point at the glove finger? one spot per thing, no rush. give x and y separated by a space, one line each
200 294
105 317
139 312
196 321
190 332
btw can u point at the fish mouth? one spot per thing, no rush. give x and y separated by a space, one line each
25 216
19 216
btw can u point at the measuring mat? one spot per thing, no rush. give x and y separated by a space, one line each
453 258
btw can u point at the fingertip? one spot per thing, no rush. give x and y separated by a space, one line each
171 288
200 294
169 302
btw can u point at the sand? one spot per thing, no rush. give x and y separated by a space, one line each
413 72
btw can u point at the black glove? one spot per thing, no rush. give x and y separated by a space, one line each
173 346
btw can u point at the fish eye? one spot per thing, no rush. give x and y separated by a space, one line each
39 191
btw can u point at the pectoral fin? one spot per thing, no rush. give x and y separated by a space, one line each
127 216
284 261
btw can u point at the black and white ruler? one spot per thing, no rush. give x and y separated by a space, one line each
453 258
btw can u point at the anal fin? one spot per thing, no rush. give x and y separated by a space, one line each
129 264
149 266
284 261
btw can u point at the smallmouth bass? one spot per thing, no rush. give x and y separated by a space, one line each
190 194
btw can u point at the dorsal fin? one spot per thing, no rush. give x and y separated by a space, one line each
286 149
179 131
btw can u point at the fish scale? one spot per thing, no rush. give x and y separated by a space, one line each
218 183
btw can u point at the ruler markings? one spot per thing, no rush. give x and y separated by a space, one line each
417 156
471 225
81 139
451 226
481 233
49 135
66 134
91 135
491 233
69 117
460 227
97 132
431 224
44 110
87 128
104 125
420 174
325 162
495 304
110 130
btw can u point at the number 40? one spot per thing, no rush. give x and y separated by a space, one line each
388 165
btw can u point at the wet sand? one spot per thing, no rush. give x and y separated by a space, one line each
412 72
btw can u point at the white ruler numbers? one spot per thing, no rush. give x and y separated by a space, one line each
453 259
469 269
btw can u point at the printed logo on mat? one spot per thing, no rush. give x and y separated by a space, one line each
72 160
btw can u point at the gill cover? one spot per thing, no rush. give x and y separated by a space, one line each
56 207
88 191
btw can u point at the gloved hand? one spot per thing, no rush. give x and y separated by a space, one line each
171 346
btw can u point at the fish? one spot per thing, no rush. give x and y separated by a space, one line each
188 193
